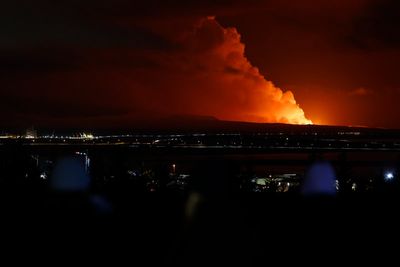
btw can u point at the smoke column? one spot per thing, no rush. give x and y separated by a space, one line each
210 75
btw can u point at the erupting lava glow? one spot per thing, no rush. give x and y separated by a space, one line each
202 71
239 90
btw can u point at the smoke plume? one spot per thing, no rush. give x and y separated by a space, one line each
210 75
193 68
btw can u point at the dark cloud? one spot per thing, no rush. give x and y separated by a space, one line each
40 107
360 92
33 61
28 24
377 28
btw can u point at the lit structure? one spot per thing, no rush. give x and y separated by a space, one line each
87 136
31 133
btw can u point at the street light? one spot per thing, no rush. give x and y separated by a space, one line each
389 176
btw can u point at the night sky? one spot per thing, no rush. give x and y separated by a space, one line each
113 63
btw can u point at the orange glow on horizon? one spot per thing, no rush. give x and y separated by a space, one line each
246 93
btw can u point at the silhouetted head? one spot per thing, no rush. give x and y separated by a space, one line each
70 175
320 180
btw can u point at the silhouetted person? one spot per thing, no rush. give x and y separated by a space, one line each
211 234
320 180
70 189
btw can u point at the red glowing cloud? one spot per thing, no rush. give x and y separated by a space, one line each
210 75
199 68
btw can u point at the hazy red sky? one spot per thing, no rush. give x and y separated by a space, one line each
112 62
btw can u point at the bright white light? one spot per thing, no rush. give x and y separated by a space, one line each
354 187
389 176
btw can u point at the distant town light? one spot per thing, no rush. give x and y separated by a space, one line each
88 136
354 187
174 168
389 176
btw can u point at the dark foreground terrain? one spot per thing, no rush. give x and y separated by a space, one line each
201 200
196 229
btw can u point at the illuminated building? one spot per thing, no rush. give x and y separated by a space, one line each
31 133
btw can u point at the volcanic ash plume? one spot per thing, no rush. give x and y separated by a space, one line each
204 72
187 66
215 58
